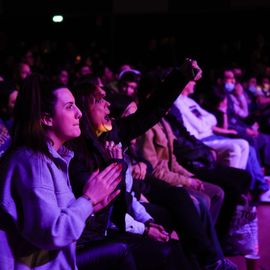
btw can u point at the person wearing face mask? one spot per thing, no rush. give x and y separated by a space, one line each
229 124
258 103
229 86
237 111
236 93
252 90
202 124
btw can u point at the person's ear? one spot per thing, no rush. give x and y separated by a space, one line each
46 120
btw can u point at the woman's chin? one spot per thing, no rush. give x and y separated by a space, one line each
105 127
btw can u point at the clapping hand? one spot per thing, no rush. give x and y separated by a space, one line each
100 187
114 150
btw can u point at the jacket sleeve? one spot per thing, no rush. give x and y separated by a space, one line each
134 226
47 218
240 105
154 108
135 223
176 167
160 166
139 211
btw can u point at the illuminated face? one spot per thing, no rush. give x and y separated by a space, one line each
85 70
129 88
65 123
98 112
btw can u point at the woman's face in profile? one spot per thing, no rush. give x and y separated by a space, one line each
64 125
99 112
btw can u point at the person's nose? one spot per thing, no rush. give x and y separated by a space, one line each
108 104
78 114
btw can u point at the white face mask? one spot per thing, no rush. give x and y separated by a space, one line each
229 86
252 89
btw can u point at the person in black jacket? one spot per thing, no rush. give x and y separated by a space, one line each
91 154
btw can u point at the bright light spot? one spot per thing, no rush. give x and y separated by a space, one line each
57 18
78 58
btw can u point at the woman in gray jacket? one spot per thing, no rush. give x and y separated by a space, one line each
40 217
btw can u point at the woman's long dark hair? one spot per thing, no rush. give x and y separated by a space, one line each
34 99
84 91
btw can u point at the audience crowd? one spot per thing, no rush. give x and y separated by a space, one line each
127 167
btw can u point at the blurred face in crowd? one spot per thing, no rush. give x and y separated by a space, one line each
12 100
29 58
229 81
24 71
108 75
265 84
85 70
63 77
238 73
129 88
229 77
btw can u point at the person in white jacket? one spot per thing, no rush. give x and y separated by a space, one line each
202 124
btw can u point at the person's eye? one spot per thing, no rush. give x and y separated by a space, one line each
70 106
99 100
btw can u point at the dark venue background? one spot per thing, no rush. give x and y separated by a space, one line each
218 33
214 32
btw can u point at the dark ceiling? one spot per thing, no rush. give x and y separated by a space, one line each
87 7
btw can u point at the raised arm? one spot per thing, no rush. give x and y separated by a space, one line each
157 105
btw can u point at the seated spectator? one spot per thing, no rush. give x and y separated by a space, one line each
128 81
61 76
258 103
228 127
98 128
201 124
181 214
156 146
235 123
199 159
21 71
40 219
